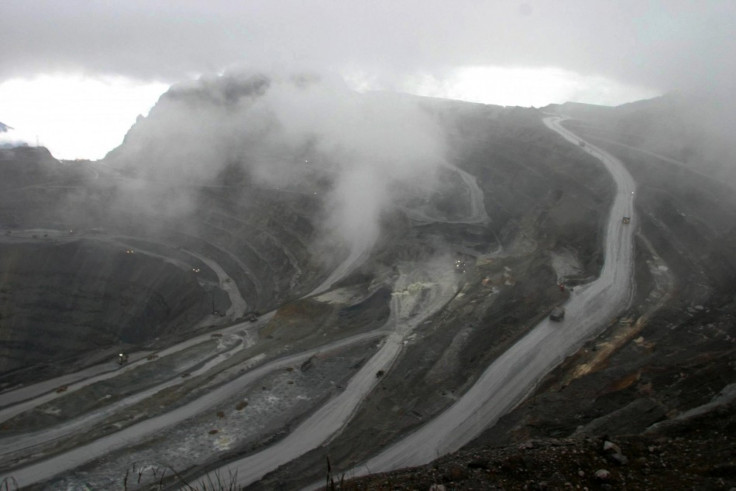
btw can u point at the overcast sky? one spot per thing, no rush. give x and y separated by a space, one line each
111 59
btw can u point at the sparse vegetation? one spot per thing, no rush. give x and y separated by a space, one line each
330 480
9 484
165 477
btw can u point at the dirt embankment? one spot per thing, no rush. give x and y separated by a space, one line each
690 456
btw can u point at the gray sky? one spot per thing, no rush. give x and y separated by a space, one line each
516 52
664 44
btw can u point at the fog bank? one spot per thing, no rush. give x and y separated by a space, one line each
305 133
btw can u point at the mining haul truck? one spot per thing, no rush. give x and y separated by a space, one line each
557 314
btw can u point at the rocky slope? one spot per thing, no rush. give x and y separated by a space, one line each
61 299
146 249
693 454
670 352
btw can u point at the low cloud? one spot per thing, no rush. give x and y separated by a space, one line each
301 132
9 137
661 44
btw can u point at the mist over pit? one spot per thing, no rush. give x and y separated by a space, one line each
306 133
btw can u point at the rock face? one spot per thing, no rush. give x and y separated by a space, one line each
59 300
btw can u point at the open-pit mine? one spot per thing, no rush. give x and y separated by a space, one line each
204 306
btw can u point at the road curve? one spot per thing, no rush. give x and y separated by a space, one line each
238 306
17 401
509 379
360 252
476 202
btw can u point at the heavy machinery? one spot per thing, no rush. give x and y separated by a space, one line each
557 314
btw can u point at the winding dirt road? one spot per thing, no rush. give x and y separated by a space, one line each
45 469
514 375
423 290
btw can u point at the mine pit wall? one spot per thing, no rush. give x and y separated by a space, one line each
263 239
60 300
539 192
266 247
